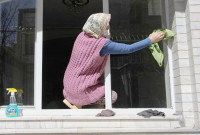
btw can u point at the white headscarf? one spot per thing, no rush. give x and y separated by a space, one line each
96 24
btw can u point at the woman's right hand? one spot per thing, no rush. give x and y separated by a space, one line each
156 36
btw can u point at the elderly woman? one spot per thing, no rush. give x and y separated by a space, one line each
84 79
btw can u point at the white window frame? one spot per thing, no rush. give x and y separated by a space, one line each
37 108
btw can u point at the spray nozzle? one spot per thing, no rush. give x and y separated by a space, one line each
20 91
11 90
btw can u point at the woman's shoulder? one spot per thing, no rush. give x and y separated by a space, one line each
84 36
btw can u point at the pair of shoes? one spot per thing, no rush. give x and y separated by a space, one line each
70 105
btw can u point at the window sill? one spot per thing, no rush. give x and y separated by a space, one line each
102 131
65 117
86 124
31 111
62 122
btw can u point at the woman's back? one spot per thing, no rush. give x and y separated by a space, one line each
83 82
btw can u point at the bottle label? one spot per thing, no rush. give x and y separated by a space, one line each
11 111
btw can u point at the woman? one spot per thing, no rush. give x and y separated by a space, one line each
84 78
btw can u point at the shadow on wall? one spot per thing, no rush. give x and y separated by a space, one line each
175 6
178 7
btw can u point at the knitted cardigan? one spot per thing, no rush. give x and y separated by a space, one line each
84 80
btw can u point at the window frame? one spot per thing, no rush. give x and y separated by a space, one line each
36 109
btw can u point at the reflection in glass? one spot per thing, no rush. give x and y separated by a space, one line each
136 77
17 37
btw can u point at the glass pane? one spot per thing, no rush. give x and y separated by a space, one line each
17 37
62 22
136 77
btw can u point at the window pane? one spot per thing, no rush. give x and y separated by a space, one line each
62 23
17 37
136 77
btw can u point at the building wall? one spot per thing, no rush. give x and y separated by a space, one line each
185 22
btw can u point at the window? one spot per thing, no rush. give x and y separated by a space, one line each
136 77
17 37
61 24
133 75
36 62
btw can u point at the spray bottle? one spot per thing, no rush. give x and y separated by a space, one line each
12 109
19 97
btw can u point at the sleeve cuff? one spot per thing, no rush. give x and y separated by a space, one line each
148 41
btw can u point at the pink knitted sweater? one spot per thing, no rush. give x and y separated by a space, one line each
83 79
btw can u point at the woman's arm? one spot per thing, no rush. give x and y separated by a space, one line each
121 48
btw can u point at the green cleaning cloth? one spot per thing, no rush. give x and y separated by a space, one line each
155 49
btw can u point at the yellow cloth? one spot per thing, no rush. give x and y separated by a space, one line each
155 49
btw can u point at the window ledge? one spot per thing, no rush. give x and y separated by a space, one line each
83 123
103 131
68 117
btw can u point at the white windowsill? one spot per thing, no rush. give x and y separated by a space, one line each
178 131
30 111
85 121
114 130
65 117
